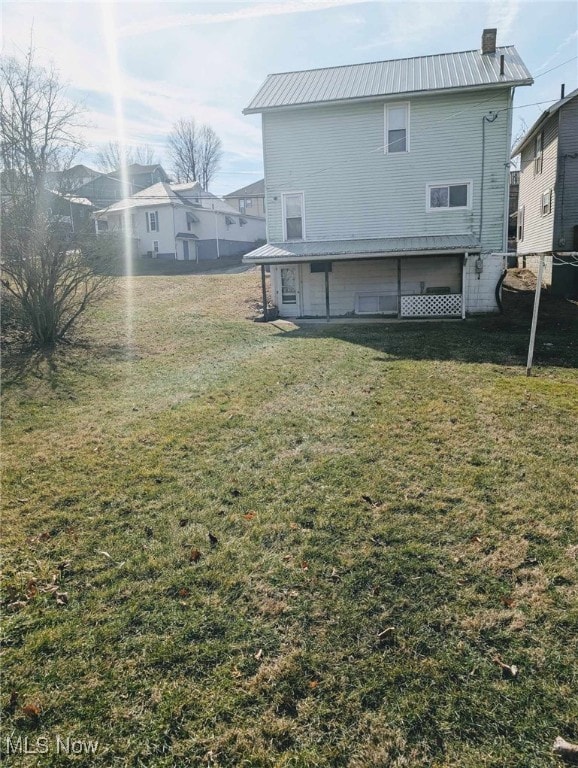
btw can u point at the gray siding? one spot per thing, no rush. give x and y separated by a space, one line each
567 187
334 154
538 229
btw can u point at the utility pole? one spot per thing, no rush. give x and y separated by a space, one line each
535 315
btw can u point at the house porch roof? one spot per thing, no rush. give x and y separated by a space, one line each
339 250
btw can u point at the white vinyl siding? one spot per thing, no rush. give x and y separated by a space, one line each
334 155
538 234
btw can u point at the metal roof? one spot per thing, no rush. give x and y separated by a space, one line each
466 69
336 250
541 120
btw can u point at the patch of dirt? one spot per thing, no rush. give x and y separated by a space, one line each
520 280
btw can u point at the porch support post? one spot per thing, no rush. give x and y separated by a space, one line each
399 288
464 264
264 292
327 309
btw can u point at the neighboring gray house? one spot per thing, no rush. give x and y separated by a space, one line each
548 197
386 184
249 199
183 222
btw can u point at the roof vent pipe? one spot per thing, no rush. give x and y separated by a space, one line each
501 64
489 40
562 90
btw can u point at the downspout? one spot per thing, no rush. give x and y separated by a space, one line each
491 119
464 283
174 234
507 180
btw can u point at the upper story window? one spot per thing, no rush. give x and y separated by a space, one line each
538 152
152 219
455 196
546 202
293 205
397 127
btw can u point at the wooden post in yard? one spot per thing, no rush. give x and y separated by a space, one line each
264 292
327 310
535 315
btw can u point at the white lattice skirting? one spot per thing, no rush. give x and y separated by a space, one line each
426 305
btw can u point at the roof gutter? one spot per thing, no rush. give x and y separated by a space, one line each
390 96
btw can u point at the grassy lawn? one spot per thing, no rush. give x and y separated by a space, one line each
392 508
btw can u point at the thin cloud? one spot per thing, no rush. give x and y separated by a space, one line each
503 15
258 11
551 59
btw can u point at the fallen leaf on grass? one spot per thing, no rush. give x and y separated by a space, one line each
249 515
313 684
507 669
183 521
475 540
195 555
259 654
61 598
508 601
32 711
213 539
304 565
184 592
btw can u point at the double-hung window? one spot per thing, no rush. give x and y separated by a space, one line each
397 127
449 196
538 152
293 205
546 202
152 219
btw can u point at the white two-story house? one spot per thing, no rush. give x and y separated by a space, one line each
386 184
182 222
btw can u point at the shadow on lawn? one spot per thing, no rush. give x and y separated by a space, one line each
499 339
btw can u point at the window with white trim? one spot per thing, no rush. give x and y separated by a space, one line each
293 216
538 152
455 196
520 227
242 204
546 202
249 203
152 219
155 246
397 128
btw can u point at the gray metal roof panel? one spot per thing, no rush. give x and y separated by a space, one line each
466 69
347 249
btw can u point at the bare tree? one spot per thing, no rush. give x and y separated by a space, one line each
195 152
37 123
48 268
109 158
210 154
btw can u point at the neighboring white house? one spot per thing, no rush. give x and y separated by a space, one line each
182 221
386 184
548 197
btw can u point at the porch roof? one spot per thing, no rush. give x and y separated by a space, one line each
337 250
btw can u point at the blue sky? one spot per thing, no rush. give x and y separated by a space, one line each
207 59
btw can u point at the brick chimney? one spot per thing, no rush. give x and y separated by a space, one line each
489 40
